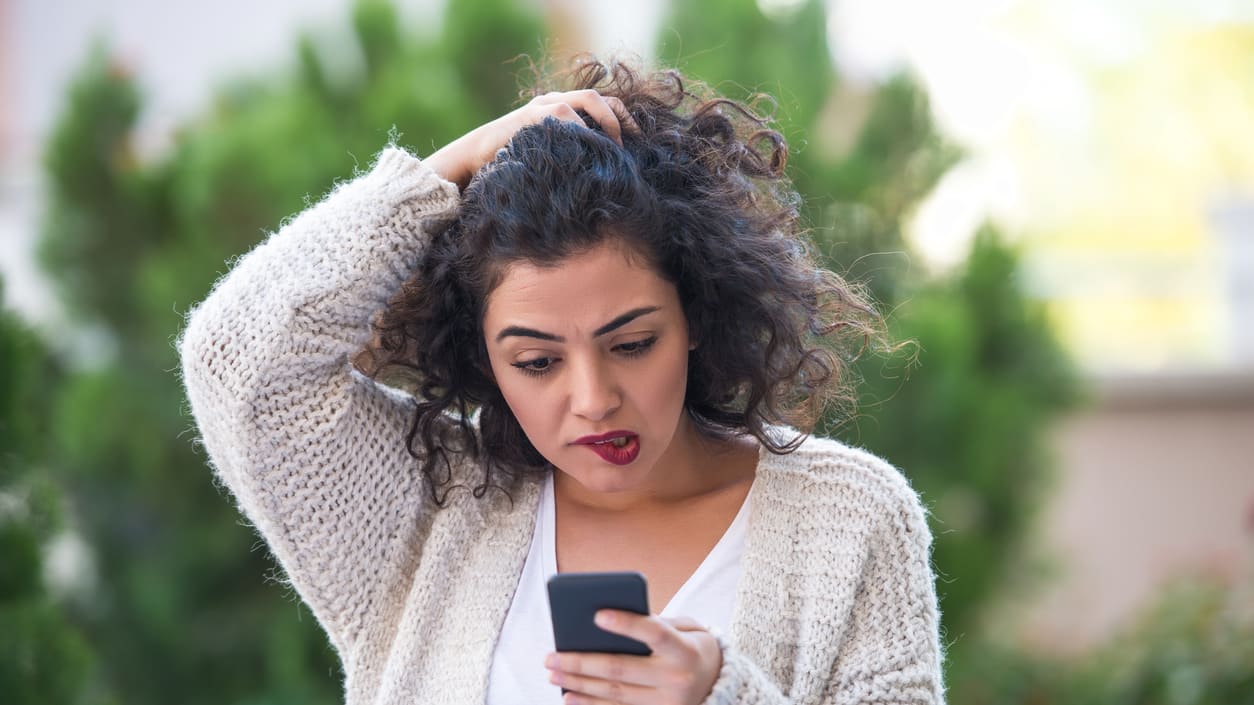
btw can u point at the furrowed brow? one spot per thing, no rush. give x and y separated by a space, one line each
618 322
527 333
623 320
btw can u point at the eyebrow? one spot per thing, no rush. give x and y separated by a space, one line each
613 325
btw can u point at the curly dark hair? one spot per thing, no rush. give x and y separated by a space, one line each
699 192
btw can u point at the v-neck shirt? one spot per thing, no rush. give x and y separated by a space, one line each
518 675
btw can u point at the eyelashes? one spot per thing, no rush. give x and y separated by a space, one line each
536 368
636 347
541 366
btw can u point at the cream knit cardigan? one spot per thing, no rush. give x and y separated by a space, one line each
836 603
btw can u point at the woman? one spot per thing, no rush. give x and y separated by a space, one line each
609 330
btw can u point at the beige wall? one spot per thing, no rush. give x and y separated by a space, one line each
1156 480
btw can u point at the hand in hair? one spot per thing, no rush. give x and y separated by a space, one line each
460 159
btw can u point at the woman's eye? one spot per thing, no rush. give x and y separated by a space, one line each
537 367
636 347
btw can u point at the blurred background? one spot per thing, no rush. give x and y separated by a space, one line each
1053 198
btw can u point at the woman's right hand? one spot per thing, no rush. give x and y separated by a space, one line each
460 159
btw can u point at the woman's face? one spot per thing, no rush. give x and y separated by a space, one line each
592 357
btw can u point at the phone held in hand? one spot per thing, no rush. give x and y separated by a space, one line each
574 599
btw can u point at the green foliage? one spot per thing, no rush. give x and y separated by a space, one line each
21 410
963 412
1195 647
43 660
855 199
43 657
102 199
732 46
894 162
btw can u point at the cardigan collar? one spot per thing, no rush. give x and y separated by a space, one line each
763 590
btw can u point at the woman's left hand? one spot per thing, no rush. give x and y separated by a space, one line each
681 670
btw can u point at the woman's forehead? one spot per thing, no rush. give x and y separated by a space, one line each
579 290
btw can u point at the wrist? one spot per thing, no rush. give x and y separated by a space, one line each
450 162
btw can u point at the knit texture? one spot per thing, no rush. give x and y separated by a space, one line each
836 602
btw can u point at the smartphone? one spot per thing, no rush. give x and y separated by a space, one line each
574 599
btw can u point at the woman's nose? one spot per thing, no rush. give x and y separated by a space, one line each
594 393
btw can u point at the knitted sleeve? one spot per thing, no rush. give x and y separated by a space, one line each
313 452
891 650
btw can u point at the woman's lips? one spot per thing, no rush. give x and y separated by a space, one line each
618 448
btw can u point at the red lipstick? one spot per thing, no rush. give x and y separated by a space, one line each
617 447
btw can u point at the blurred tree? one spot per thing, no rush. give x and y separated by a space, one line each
856 192
44 660
986 377
969 424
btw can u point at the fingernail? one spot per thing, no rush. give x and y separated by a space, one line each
550 661
604 619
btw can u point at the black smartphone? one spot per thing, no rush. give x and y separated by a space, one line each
574 599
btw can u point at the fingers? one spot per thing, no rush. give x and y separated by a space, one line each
460 159
622 668
655 632
626 122
684 664
627 680
593 691
608 111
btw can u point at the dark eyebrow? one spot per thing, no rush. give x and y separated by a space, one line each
527 333
623 320
615 324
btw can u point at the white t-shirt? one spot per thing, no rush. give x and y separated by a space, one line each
518 675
